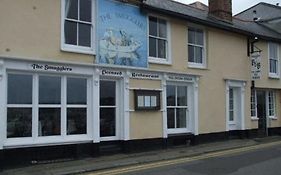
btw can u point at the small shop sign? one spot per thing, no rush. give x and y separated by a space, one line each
179 78
106 72
149 76
47 67
256 66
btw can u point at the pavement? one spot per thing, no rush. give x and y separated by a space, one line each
123 160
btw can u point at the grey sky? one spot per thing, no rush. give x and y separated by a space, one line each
237 5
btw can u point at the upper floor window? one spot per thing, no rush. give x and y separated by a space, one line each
196 47
158 40
77 33
273 60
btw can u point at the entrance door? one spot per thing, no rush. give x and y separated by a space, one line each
261 113
234 108
108 110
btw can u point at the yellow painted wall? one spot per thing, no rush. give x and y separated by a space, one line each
32 29
226 59
144 124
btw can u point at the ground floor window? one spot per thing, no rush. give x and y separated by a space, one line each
253 103
48 104
177 105
271 103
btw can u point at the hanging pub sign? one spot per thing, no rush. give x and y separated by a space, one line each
122 34
256 65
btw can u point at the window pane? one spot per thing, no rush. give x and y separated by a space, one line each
191 36
181 118
76 121
191 53
49 121
171 118
273 50
152 26
140 101
107 93
70 32
199 37
71 9
182 96
85 10
171 95
161 48
153 101
152 47
85 35
147 102
19 122
231 115
76 91
49 90
19 89
107 122
198 54
162 28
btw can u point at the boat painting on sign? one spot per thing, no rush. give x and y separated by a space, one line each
121 35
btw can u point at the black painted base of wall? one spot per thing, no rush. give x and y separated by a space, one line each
48 154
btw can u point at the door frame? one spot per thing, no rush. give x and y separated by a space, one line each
239 86
119 121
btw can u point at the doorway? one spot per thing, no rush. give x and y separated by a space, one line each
261 113
234 108
109 110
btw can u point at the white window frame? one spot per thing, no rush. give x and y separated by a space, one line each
273 74
202 65
76 48
157 60
63 138
254 103
188 128
272 95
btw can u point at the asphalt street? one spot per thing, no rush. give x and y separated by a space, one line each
256 161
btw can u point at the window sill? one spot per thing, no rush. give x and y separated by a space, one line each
254 118
82 50
273 76
196 66
159 61
273 118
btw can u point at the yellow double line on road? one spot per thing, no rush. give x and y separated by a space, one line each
163 163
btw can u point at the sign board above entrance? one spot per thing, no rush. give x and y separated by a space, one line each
122 34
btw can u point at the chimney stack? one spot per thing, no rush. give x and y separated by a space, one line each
221 9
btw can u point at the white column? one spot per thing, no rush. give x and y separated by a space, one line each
227 106
3 93
164 106
126 107
196 103
96 108
243 106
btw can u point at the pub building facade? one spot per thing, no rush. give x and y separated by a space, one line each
105 76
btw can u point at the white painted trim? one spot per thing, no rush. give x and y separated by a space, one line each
79 49
204 61
96 106
241 90
164 107
126 107
168 60
3 98
196 107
